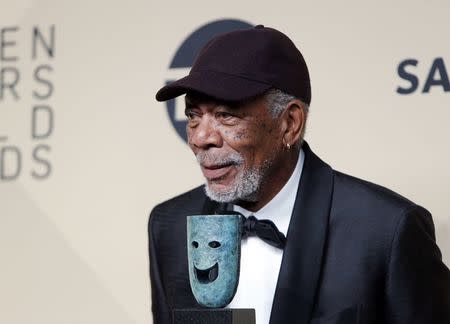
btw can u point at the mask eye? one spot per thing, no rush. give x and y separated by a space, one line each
195 244
214 244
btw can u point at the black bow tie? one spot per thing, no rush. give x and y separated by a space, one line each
264 229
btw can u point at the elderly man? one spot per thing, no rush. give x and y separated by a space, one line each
355 252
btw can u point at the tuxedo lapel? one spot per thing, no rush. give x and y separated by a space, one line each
302 259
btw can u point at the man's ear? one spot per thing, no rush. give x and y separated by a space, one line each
293 122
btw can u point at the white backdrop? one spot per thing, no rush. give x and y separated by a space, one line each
75 197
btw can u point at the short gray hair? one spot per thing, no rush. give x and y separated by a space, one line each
277 101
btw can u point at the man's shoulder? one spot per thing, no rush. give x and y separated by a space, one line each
368 212
350 192
347 186
357 199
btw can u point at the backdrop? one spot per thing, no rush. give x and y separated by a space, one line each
86 151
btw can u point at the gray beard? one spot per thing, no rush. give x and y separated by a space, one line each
245 187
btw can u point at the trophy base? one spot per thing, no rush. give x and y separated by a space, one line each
214 316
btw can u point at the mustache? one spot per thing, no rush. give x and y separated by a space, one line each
216 159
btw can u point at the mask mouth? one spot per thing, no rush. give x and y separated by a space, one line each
208 275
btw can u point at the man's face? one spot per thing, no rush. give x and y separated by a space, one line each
237 145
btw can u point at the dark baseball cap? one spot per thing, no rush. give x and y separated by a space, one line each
242 64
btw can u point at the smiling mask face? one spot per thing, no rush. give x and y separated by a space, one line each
214 257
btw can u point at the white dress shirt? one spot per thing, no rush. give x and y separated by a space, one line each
260 262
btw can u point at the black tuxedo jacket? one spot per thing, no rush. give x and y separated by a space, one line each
356 253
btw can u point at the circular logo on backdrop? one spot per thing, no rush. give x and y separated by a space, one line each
184 58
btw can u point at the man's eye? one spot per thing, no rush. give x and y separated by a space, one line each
189 114
192 117
225 117
223 114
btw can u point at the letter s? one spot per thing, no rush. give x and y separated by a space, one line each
407 76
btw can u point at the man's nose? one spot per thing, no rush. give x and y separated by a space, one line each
205 135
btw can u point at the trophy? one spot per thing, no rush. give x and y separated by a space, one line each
214 251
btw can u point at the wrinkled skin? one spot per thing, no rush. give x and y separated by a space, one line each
218 129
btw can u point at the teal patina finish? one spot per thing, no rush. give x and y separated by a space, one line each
214 251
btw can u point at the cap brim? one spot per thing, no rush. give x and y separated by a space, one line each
214 84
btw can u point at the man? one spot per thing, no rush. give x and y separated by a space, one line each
355 252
